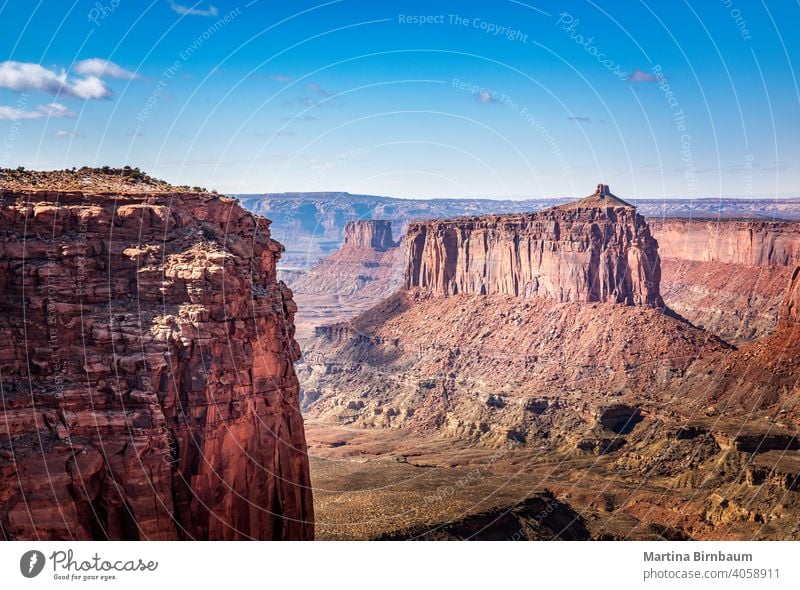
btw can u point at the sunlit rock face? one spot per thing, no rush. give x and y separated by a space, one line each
147 371
596 249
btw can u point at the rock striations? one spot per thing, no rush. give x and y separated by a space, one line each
371 234
596 249
730 241
791 305
147 373
727 275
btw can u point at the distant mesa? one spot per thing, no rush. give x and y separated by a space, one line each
375 234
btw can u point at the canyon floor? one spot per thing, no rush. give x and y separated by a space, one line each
371 484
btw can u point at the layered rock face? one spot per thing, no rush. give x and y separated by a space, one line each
372 234
763 375
746 243
147 373
727 276
597 249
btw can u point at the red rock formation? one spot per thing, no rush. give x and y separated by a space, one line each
147 373
373 234
731 241
761 376
726 275
595 249
462 353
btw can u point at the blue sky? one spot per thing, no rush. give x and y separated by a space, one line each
412 99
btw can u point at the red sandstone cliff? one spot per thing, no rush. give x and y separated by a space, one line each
147 371
791 305
595 249
371 234
764 375
727 275
732 241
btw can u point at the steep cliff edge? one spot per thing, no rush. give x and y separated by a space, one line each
596 249
370 234
790 312
147 377
729 241
727 275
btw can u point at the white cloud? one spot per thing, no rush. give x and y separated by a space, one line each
180 9
91 87
25 77
53 110
100 68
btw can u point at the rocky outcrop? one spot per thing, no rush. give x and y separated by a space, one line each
596 249
147 371
372 234
761 376
540 517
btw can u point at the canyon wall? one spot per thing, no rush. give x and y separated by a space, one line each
147 371
743 242
596 249
727 275
372 234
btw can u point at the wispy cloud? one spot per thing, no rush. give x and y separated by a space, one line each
53 110
485 96
193 10
283 79
102 68
26 77
579 119
316 89
641 76
61 134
